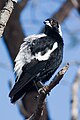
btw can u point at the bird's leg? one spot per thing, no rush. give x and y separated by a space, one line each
40 84
36 86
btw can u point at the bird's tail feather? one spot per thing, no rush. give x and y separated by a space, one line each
20 87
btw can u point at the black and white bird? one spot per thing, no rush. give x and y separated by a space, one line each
38 58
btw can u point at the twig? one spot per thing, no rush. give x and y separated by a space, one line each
44 91
5 14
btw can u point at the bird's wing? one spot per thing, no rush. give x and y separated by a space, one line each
24 56
30 61
27 77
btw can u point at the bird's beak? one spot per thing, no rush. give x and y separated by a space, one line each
46 22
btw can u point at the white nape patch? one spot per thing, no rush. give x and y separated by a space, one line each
60 31
48 23
46 55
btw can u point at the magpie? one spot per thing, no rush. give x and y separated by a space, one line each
38 58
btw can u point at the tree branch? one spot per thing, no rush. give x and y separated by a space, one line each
22 4
75 97
5 14
64 11
76 4
44 91
14 35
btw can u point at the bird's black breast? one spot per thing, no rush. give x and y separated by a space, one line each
42 45
51 65
43 70
40 70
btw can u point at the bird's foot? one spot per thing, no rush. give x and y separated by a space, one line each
43 89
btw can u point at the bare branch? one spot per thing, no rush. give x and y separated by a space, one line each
75 99
5 14
44 91
64 11
22 4
76 4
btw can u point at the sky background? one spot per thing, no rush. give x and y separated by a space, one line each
32 18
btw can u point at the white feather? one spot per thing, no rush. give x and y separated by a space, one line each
48 23
46 56
24 56
34 37
60 31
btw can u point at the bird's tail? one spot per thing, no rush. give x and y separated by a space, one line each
14 96
22 86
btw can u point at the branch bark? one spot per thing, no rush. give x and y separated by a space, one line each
14 35
5 14
64 11
45 91
76 4
75 99
22 4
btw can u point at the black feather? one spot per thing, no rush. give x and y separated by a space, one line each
36 70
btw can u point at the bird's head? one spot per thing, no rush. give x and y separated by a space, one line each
52 25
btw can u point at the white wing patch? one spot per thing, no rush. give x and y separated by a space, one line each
46 56
23 57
